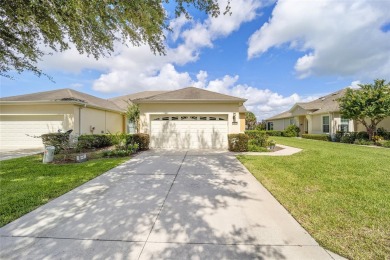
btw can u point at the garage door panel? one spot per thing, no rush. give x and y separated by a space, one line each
189 134
17 131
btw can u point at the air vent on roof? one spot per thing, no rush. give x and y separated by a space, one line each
72 99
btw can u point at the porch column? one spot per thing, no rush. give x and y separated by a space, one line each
309 124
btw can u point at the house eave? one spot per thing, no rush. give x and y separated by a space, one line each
188 101
59 102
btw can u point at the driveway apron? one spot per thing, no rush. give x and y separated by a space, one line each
163 205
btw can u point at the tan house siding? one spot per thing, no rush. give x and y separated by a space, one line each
281 124
385 123
102 121
19 111
242 122
278 124
228 109
316 124
297 111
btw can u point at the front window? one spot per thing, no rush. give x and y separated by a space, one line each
344 126
325 124
270 126
131 127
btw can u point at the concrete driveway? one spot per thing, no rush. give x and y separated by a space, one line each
11 153
163 205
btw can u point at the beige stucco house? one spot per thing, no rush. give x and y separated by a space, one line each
187 118
184 118
320 116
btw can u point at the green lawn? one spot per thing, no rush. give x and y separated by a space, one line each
26 183
340 193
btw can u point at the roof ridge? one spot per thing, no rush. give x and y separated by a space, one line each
168 91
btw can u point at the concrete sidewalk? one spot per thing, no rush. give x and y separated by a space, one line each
163 205
286 151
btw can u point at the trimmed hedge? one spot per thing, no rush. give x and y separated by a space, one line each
274 133
238 142
58 140
291 131
321 137
94 141
143 140
268 132
258 138
100 141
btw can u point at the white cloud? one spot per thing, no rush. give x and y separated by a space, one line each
130 69
133 69
76 85
355 84
338 37
263 102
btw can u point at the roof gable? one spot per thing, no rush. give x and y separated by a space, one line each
189 94
124 101
64 95
321 105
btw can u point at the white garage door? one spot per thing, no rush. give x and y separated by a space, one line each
189 132
14 130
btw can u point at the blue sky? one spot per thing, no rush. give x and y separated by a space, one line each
274 53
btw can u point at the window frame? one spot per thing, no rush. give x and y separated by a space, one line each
270 126
344 124
323 124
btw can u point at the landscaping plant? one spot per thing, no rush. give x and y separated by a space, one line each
368 105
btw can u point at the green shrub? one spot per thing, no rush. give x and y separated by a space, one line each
59 140
322 137
362 135
384 133
274 133
142 140
258 138
348 138
116 153
238 142
386 144
338 136
253 147
291 131
86 142
363 142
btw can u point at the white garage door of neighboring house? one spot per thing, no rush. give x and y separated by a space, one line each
14 129
189 132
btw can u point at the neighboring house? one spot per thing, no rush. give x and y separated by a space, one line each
184 118
320 116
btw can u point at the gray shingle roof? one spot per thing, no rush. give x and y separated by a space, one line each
321 105
64 95
285 114
189 94
123 101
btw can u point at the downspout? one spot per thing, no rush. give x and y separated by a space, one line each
80 120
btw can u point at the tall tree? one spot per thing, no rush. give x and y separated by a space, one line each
250 120
368 105
27 26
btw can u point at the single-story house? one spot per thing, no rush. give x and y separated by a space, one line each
320 116
185 118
